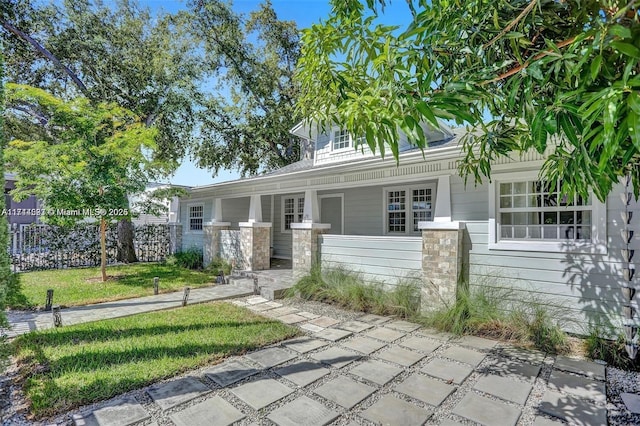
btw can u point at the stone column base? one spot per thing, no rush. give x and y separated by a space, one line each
304 246
211 240
255 239
441 263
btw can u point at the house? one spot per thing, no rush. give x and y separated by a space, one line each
19 212
417 218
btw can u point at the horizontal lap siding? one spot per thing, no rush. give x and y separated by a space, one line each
379 259
584 287
235 210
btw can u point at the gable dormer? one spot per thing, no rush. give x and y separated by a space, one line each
337 145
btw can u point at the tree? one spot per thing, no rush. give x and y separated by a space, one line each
557 77
77 156
118 54
254 61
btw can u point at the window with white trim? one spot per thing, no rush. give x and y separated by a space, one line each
196 216
535 210
405 207
526 214
341 139
292 211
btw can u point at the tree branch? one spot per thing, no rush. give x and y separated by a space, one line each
519 68
512 23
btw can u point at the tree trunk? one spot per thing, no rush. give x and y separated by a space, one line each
126 251
103 248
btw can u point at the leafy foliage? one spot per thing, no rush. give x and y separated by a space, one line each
560 78
7 280
191 258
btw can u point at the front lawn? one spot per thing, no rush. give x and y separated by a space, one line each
71 366
82 286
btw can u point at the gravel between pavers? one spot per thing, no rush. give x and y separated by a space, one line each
618 381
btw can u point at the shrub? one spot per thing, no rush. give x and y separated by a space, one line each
190 259
612 351
219 264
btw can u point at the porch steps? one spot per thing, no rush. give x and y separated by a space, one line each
272 284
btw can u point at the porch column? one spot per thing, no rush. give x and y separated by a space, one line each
305 247
175 237
441 263
255 238
211 243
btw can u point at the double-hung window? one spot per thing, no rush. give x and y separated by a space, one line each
531 214
196 215
341 139
405 207
292 211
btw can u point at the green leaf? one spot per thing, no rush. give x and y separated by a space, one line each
633 123
426 112
538 131
595 67
626 49
634 102
620 31
568 128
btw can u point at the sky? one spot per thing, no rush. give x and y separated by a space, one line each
304 13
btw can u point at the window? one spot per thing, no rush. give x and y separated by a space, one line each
528 214
406 207
195 217
341 139
534 210
292 211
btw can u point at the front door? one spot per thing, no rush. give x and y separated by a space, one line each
331 212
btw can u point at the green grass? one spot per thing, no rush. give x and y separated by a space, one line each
71 366
82 286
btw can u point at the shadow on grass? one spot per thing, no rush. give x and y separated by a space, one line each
144 275
14 294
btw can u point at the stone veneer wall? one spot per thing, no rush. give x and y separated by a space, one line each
441 267
211 242
304 250
255 247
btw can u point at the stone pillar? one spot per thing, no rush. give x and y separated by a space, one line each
175 237
441 263
305 247
255 239
211 240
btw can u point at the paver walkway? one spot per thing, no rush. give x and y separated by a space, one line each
23 322
372 370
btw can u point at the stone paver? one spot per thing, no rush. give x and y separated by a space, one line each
303 411
355 326
421 344
390 410
168 395
273 304
374 319
475 342
211 412
425 389
399 355
230 372
333 334
260 393
376 371
529 355
303 372
324 322
571 409
385 334
255 300
121 412
344 391
305 344
585 368
280 312
292 318
435 334
487 411
311 327
509 367
262 307
364 345
467 356
335 357
507 389
631 401
579 386
270 357
308 315
405 326
448 422
543 421
447 370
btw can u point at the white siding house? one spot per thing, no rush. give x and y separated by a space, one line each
518 232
